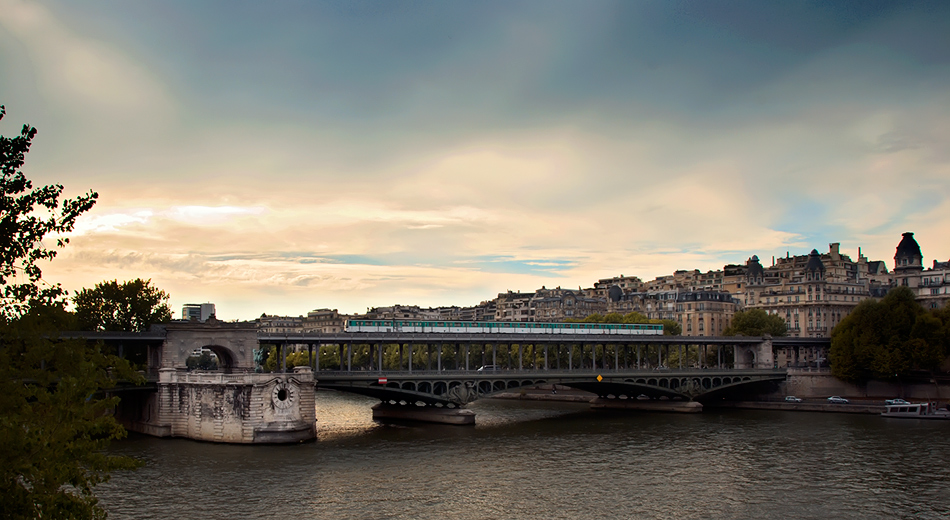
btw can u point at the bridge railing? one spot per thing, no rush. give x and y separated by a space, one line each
211 377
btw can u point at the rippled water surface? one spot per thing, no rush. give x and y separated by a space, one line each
527 459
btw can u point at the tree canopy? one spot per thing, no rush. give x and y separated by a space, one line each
670 327
54 423
27 216
889 338
130 306
756 322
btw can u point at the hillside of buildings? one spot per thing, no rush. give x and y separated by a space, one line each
811 293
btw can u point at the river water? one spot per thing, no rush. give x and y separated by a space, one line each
529 459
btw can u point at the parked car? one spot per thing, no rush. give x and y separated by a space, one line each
895 401
792 399
837 400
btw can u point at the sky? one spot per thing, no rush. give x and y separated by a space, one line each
279 157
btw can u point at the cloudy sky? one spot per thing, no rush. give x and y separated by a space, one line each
284 156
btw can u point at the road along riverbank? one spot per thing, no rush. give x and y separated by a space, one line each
566 394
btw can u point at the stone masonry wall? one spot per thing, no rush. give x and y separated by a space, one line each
238 408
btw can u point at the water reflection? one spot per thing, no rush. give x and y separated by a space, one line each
529 459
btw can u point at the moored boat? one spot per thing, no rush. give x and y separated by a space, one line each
915 411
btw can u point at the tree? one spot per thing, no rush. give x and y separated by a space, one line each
27 216
131 306
670 327
635 317
756 322
202 362
54 423
887 339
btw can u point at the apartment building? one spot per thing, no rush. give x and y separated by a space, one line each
326 321
931 286
280 324
626 284
547 305
399 312
704 313
811 297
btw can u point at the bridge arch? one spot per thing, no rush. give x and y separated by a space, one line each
749 356
233 343
225 357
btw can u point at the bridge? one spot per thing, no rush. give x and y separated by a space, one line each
614 387
416 376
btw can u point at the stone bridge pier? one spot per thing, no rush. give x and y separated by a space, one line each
233 404
758 356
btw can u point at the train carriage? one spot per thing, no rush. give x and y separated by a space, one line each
499 327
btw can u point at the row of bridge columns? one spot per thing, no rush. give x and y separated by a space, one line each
376 354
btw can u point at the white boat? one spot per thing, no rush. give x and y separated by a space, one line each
915 411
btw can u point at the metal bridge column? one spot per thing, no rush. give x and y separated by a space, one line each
283 358
428 356
545 356
468 348
439 354
410 357
520 356
616 359
638 357
570 357
379 348
494 355
349 357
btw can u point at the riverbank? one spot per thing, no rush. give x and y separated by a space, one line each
567 394
870 408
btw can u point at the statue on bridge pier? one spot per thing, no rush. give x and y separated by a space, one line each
260 357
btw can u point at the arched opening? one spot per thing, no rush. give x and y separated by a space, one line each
224 356
749 358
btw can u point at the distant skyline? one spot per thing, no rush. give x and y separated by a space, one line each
286 156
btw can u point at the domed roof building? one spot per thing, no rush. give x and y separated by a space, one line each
931 286
814 269
908 261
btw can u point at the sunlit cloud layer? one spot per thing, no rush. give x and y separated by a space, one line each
281 158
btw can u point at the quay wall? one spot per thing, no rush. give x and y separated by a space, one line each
816 384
